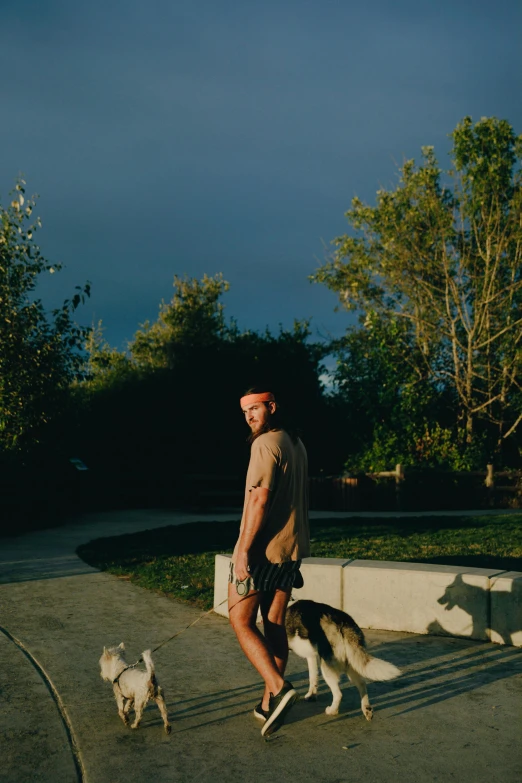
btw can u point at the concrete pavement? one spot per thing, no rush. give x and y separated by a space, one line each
454 714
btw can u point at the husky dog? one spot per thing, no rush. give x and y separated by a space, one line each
315 629
131 686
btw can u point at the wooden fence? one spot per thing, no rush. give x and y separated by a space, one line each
28 501
417 489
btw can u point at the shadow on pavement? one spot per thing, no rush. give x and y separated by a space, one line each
473 667
37 569
427 681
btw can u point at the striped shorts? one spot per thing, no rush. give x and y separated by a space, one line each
267 577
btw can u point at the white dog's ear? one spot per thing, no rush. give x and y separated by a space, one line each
121 646
105 651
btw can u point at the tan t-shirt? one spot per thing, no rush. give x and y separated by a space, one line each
280 465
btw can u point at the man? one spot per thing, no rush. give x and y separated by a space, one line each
273 537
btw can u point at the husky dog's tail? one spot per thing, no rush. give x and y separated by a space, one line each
147 660
348 647
369 667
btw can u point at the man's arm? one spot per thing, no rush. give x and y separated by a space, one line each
254 518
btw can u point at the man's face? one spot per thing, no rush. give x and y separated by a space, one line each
257 414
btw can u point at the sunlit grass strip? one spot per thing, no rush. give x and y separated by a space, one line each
498 538
170 560
187 578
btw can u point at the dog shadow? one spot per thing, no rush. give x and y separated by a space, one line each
504 624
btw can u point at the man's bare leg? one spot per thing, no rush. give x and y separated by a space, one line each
273 611
243 615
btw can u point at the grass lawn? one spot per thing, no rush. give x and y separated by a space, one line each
179 560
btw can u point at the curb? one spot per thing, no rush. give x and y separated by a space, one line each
473 603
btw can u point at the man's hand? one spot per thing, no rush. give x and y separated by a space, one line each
241 565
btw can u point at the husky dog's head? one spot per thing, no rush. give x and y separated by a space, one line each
110 656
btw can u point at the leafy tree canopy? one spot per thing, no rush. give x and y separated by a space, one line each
173 399
192 320
40 353
441 253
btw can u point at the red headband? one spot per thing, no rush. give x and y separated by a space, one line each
248 399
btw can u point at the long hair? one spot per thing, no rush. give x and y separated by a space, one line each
279 420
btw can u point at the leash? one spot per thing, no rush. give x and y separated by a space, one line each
178 633
188 626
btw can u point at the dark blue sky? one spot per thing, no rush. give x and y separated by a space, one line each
201 136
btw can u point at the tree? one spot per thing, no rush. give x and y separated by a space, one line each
384 400
391 413
171 408
193 319
39 354
442 252
103 364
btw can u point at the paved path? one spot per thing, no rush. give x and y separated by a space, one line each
455 714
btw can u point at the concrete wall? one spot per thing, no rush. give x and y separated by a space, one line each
506 608
475 603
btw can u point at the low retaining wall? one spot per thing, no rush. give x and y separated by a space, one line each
475 603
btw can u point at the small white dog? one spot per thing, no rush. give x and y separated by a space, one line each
131 686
